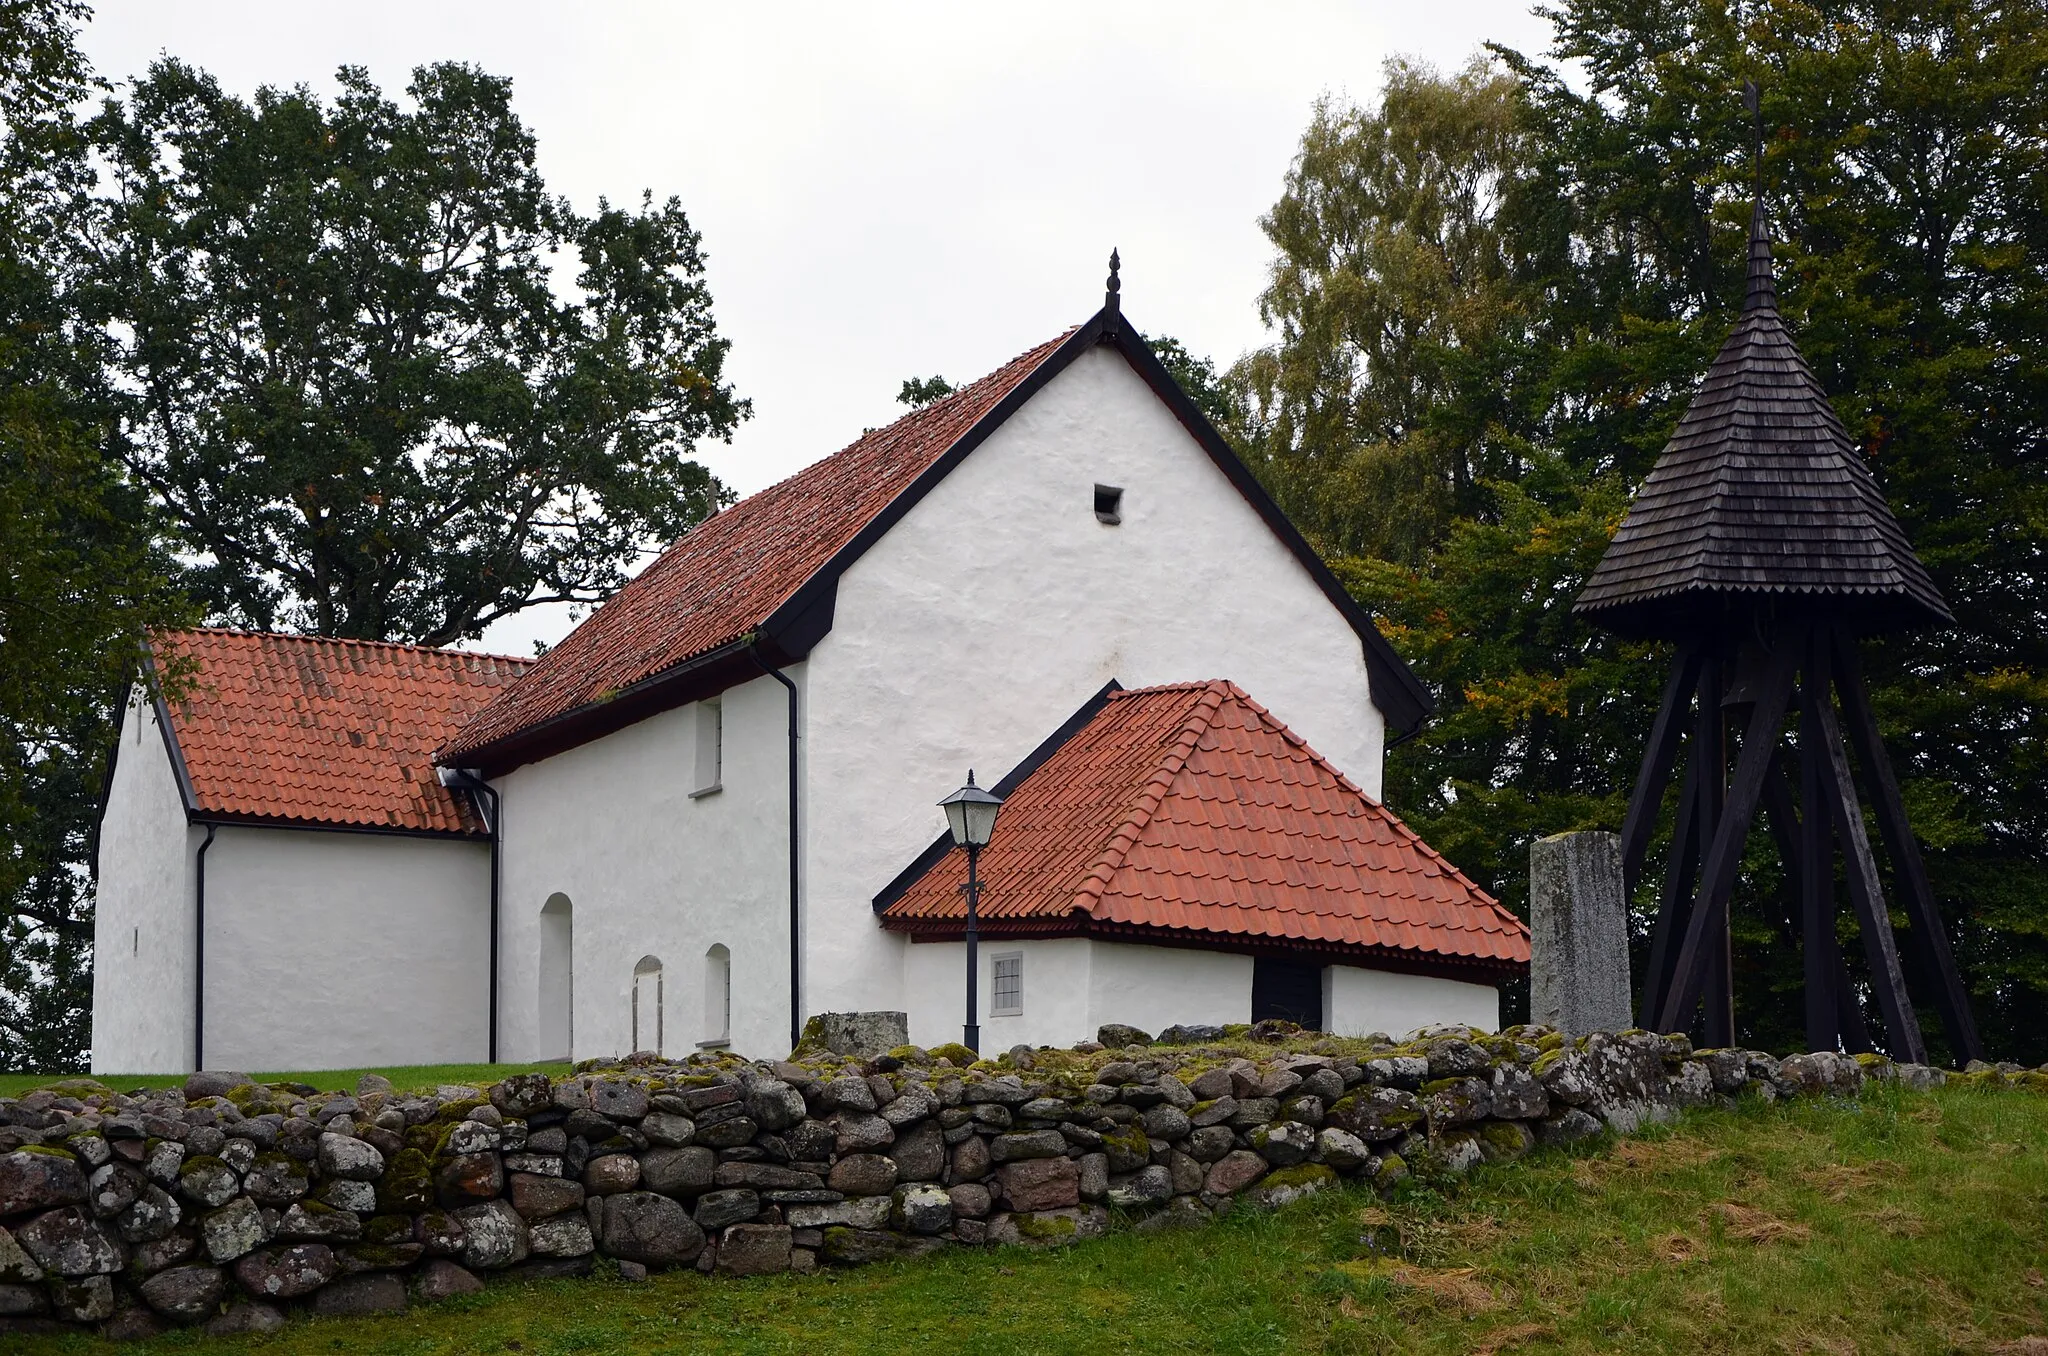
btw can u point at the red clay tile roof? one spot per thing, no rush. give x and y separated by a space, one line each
727 576
307 730
1189 808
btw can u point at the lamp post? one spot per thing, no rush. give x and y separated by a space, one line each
971 815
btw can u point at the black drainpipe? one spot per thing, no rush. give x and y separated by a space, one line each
199 954
473 781
796 1006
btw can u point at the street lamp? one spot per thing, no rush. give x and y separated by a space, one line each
971 815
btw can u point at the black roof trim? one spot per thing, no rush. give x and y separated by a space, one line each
943 844
228 821
1437 965
805 617
1398 693
693 679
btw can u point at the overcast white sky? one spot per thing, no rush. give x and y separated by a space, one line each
888 189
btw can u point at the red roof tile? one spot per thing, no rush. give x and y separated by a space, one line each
1190 808
308 730
727 576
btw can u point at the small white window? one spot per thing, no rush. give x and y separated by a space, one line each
1109 504
1006 995
710 747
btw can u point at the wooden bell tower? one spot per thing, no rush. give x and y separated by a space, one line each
1762 546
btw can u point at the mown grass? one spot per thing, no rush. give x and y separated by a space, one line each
1905 1223
407 1076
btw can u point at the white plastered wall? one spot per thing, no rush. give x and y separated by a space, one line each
651 870
142 918
1072 986
1357 1001
323 950
345 950
978 624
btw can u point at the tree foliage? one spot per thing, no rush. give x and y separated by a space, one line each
83 581
1493 294
358 374
919 392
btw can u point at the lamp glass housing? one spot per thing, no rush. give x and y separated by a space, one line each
971 814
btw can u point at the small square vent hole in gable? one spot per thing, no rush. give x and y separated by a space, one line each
1109 504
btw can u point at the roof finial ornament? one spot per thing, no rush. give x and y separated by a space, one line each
1762 290
1111 304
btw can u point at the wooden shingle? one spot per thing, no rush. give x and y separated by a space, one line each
1759 500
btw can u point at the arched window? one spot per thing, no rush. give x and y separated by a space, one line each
647 1004
557 979
717 996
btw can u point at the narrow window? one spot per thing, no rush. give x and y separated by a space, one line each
1109 504
138 941
557 979
717 997
1006 995
710 747
647 1005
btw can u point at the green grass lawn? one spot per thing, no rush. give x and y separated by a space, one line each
408 1076
1900 1223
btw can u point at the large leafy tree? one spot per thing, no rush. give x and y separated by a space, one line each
1547 345
82 581
381 382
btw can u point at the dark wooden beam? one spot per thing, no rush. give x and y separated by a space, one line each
1866 892
1710 737
1951 999
1658 757
1674 904
1724 858
1820 952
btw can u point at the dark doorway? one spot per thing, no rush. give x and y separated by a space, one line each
1290 990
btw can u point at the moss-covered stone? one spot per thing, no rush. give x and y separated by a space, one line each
960 1055
407 1185
1127 1147
1047 1229
385 1228
911 1054
51 1149
383 1256
458 1110
1549 1060
1503 1141
1553 1041
201 1163
1282 1185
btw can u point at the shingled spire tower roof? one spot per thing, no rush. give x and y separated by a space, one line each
1759 500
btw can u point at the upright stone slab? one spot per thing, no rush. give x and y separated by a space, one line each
862 1034
1578 934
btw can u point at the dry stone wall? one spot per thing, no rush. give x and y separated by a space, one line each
225 1203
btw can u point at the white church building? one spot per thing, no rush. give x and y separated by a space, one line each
711 811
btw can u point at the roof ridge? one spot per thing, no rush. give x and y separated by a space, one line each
921 414
1399 825
312 638
1190 685
859 482
1152 793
